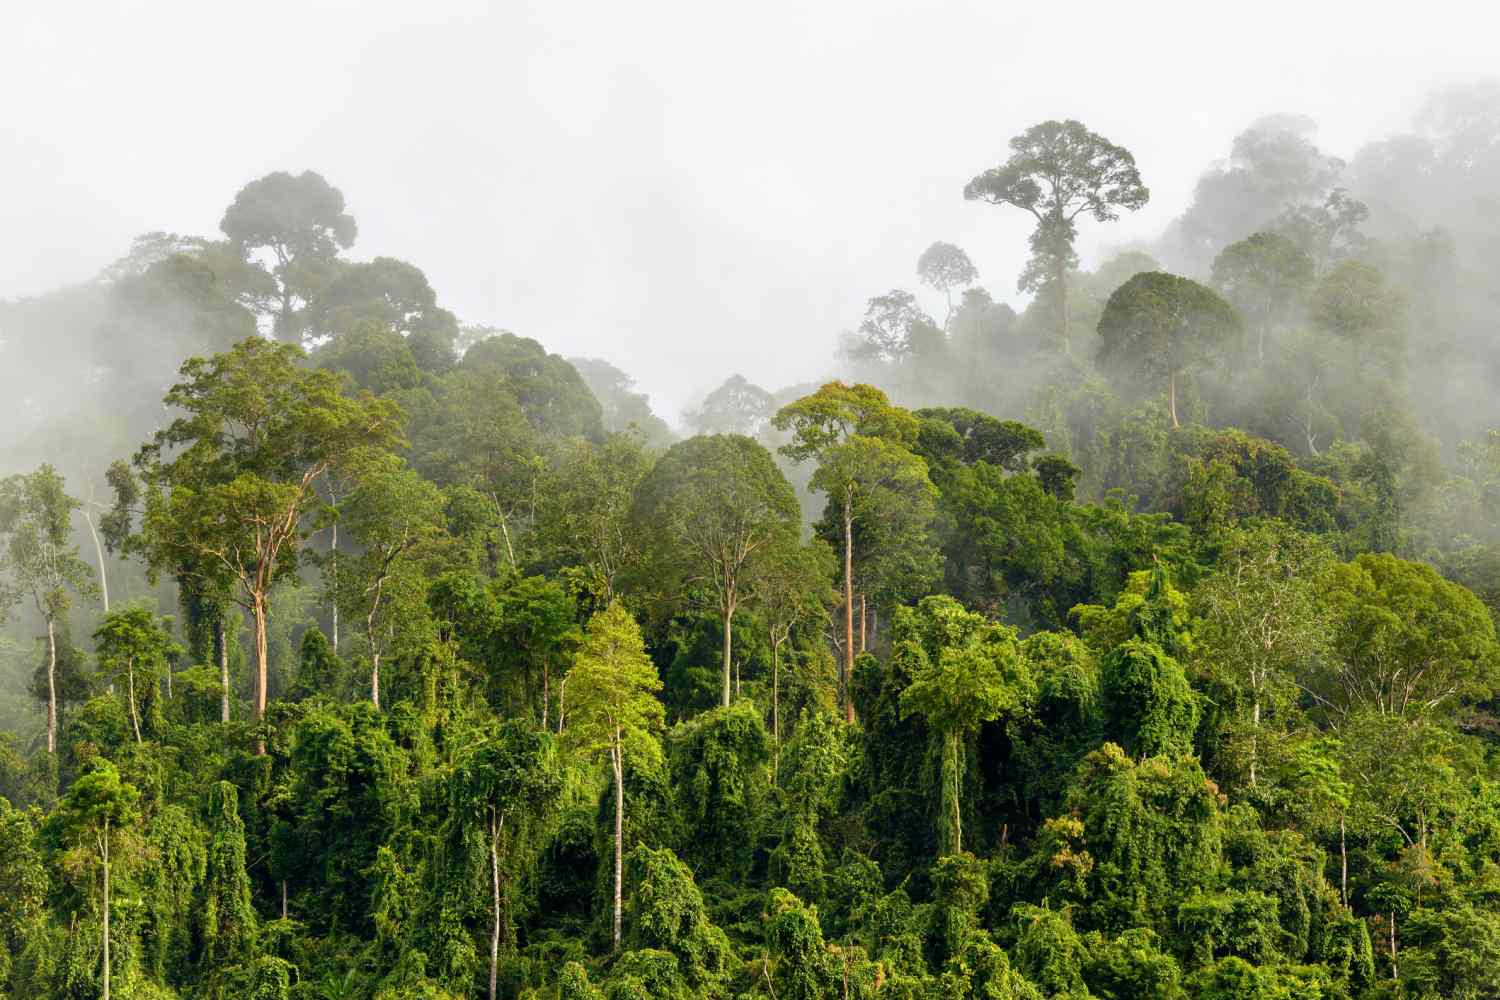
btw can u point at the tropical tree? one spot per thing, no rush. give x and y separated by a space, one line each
230 485
945 267
583 517
227 922
1266 277
614 711
301 221
134 642
1406 642
866 471
392 515
96 818
1057 171
964 671
792 586
1160 326
894 328
739 406
1261 618
508 777
714 505
35 531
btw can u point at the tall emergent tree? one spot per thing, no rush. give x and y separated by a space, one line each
865 468
1058 171
35 530
944 266
1160 326
614 710
301 221
714 504
230 484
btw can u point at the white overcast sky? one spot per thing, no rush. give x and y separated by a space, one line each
686 189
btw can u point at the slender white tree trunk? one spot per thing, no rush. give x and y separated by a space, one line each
99 553
495 900
1343 864
223 671
104 850
135 719
728 609
51 686
848 608
616 755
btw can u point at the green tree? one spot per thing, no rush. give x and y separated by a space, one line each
538 627
1261 618
35 531
866 471
1161 326
1267 278
945 267
230 485
792 587
394 295
736 407
132 641
96 817
964 671
1406 642
301 221
227 921
1057 171
614 710
583 518
506 778
392 515
714 505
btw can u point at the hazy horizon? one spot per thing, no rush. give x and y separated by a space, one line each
686 192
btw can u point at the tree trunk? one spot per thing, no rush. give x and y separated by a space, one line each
333 558
728 609
1395 971
1254 739
1172 398
262 656
283 899
616 758
1060 275
99 553
1343 864
848 608
262 668
375 681
776 698
51 686
510 553
223 671
958 822
495 898
862 619
562 697
104 849
135 719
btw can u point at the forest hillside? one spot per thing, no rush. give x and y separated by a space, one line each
1136 640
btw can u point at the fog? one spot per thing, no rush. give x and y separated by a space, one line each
684 190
